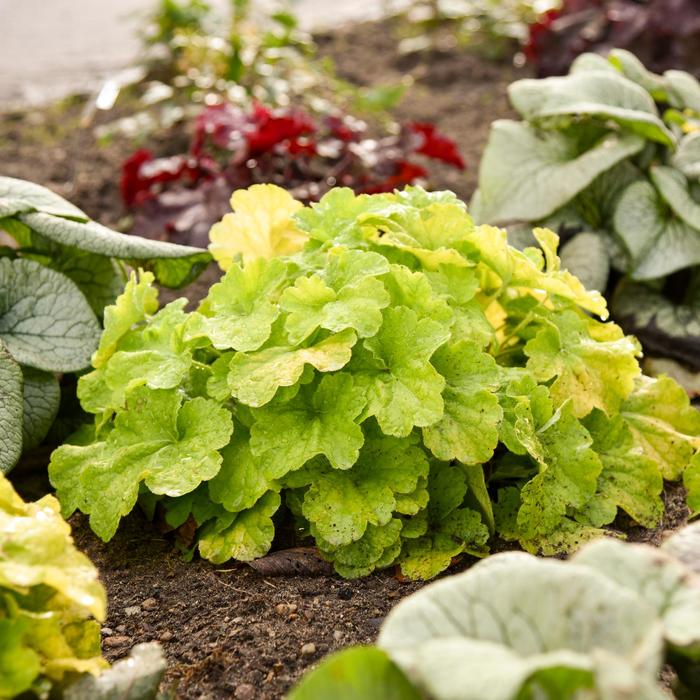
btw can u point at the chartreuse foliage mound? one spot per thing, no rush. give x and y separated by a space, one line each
51 601
403 383
51 606
55 280
514 627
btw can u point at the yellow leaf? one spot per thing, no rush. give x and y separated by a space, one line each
261 226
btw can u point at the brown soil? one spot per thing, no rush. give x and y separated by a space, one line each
229 631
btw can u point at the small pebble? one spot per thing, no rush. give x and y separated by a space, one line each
132 610
244 691
166 636
237 620
338 635
149 604
107 632
308 649
121 629
117 641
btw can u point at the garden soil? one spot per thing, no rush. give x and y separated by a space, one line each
230 631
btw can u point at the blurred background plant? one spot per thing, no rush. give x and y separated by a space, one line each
178 198
495 28
663 34
195 57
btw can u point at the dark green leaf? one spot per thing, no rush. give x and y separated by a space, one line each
42 397
358 673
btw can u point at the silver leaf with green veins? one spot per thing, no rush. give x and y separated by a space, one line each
11 408
514 624
45 320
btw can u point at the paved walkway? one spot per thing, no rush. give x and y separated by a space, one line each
50 48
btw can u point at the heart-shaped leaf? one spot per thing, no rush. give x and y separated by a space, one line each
45 321
527 174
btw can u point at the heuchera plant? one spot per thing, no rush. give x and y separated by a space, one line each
403 383
51 601
51 607
58 270
598 626
610 156
182 196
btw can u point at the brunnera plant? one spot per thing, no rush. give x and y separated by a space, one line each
401 383
58 271
609 155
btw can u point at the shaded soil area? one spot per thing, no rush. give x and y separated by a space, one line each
229 631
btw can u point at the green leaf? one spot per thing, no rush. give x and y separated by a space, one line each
594 372
526 174
11 410
41 398
169 445
402 387
341 504
136 677
137 302
658 243
240 310
657 577
19 665
254 378
629 480
468 430
515 626
38 198
37 550
45 321
358 673
154 355
602 95
175 265
633 69
664 424
451 529
433 235
687 156
320 419
673 187
97 277
378 548
587 257
691 481
347 296
240 482
568 478
683 90
249 535
415 290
